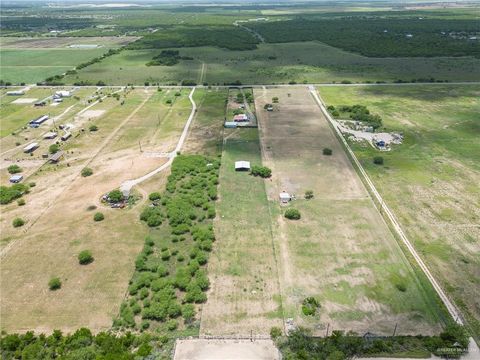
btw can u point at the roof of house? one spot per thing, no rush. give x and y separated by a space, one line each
240 117
242 164
31 146
285 195
16 177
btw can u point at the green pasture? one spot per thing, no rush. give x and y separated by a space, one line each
431 180
311 62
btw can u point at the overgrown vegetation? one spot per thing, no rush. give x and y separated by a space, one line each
380 36
85 257
10 193
87 172
339 345
310 306
292 214
261 171
358 113
168 58
170 275
18 222
14 169
54 284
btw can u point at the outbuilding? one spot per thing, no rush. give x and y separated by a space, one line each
285 197
63 93
240 118
50 135
14 179
230 124
56 157
66 136
35 123
16 93
30 148
242 165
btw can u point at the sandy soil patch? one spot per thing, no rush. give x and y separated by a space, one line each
200 349
24 101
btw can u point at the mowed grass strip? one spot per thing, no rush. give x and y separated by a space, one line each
244 294
431 180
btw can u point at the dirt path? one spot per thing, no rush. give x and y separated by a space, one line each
127 185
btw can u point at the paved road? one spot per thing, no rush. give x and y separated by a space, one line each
127 185
452 309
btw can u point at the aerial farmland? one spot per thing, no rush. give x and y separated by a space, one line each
212 181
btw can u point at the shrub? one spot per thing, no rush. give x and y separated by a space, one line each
21 202
17 222
309 194
98 216
32 184
401 287
8 194
188 312
327 151
154 196
54 148
93 127
54 284
172 325
87 172
85 257
309 306
275 332
14 169
378 160
261 171
292 214
115 196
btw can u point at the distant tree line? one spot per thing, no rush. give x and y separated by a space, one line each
380 37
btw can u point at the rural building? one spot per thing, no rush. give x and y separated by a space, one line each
38 121
30 148
269 107
56 157
66 136
63 93
285 197
242 165
50 135
16 93
230 124
16 178
57 100
240 118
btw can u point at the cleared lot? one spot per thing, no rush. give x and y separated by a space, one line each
341 251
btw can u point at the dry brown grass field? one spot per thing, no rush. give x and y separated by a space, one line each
340 251
59 225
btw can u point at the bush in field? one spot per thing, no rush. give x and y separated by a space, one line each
153 216
54 148
17 222
98 216
115 196
309 194
378 160
154 196
54 284
327 151
93 127
310 306
275 332
8 194
21 202
292 214
188 312
87 172
85 257
14 169
261 171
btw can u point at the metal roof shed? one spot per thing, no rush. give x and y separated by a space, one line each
16 178
242 165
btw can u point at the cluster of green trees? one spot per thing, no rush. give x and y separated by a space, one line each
228 37
261 171
170 275
168 58
357 112
380 37
339 345
14 169
10 193
80 345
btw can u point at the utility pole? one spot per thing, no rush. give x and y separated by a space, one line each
328 327
395 330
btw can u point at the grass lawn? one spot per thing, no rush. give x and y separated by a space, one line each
431 180
275 63
244 295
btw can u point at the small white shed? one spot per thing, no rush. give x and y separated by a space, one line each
285 197
242 165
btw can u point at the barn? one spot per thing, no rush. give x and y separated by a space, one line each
242 165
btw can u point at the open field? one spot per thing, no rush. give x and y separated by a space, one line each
431 180
244 296
59 225
275 63
341 251
32 60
